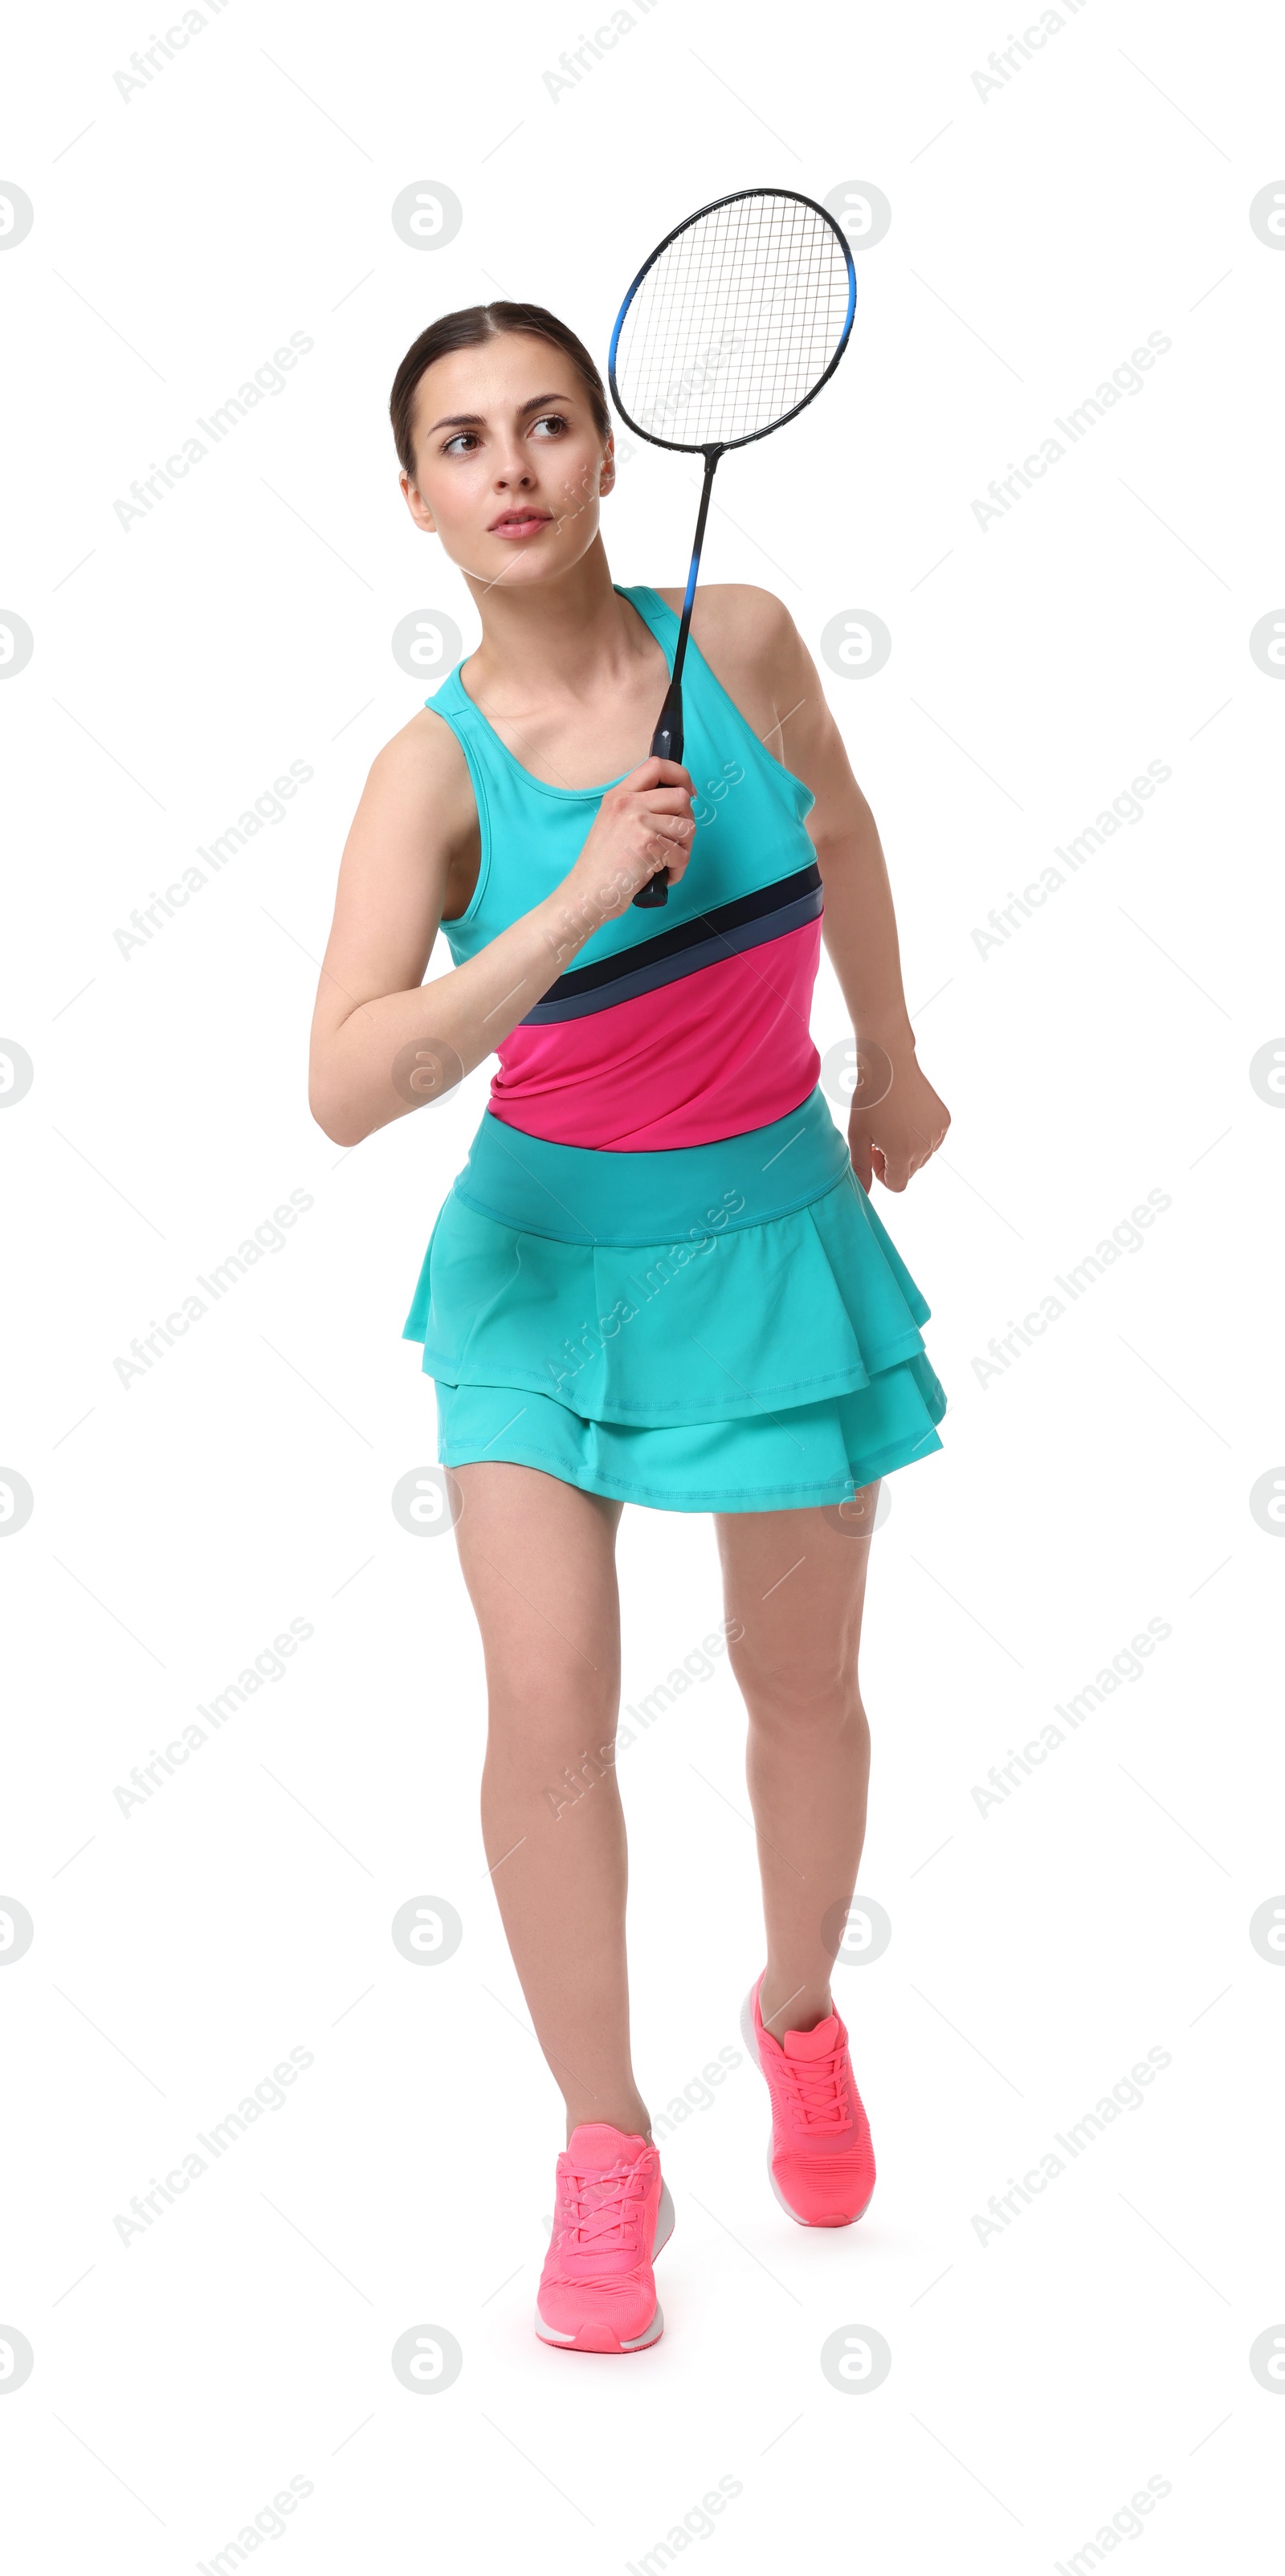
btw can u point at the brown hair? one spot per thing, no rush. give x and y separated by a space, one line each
467 329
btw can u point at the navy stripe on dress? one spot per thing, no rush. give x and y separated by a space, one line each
749 921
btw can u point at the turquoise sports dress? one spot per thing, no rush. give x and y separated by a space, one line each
657 1276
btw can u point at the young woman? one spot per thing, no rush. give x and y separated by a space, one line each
659 1277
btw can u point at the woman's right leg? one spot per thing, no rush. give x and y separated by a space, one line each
538 1558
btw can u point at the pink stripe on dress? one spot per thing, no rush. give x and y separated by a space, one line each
712 1054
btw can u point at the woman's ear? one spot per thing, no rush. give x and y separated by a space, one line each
417 506
607 472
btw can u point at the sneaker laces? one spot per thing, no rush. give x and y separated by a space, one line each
817 2089
603 2210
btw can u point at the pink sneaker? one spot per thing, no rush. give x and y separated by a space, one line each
820 2161
613 2214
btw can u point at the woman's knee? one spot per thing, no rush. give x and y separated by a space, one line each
816 1686
537 1730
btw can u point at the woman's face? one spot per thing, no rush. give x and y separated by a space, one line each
509 466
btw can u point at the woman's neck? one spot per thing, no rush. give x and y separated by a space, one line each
569 638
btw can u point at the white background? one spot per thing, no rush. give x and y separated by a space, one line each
1040 2378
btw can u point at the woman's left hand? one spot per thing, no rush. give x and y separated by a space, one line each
894 1138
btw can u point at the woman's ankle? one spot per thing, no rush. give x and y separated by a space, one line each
634 2121
786 2004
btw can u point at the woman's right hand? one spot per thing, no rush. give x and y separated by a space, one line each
642 825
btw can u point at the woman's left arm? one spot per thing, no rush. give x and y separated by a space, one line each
892 1138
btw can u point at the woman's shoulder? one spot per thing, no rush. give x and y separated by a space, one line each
735 614
751 643
422 771
426 746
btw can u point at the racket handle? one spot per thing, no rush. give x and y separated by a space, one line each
666 744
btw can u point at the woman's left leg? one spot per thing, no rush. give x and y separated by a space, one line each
794 1589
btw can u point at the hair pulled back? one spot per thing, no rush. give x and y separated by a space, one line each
467 329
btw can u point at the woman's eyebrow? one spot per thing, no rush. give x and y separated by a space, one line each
476 420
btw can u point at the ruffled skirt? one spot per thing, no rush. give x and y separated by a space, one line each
724 1327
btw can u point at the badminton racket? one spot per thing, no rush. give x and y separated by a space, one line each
729 329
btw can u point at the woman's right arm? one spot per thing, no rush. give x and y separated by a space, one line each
383 1041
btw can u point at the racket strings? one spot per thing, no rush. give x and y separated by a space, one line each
735 323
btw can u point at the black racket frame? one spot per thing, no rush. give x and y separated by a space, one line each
667 741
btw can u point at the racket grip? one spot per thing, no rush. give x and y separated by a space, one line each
666 744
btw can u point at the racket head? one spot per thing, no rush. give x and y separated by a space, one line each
738 318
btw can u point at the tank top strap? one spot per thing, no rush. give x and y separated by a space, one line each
704 697
530 831
655 613
451 701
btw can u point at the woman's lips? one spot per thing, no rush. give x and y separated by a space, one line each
527 526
